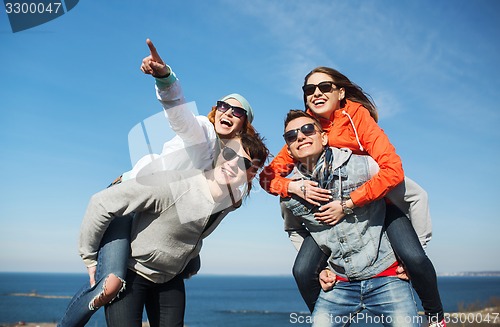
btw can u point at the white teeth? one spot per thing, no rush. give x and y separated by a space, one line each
226 122
303 145
227 172
319 102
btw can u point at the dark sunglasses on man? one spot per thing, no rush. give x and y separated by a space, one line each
292 135
229 154
324 87
238 112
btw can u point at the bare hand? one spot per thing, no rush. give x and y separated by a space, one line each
401 272
91 271
153 64
327 279
330 213
309 191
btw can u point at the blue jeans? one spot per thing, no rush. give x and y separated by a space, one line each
310 261
389 300
308 264
112 259
165 303
419 267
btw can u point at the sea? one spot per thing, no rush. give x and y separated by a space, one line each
243 301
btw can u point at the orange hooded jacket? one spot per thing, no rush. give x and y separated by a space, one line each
351 127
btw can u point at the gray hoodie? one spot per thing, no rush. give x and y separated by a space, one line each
172 210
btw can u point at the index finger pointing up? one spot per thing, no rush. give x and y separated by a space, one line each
154 54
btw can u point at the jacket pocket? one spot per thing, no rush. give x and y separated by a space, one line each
300 207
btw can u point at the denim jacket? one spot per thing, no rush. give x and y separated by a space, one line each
357 246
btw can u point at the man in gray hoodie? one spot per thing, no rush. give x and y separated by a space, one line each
171 212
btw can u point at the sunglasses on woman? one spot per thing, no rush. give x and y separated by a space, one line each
292 135
324 87
229 154
238 112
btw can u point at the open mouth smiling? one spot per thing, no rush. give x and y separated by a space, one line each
319 102
304 145
226 122
228 172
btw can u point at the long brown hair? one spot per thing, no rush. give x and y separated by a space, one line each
353 92
256 148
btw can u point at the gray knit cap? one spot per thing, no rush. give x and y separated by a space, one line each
243 102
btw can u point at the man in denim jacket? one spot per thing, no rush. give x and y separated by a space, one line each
359 251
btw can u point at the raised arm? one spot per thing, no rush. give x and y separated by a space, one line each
168 88
169 92
153 64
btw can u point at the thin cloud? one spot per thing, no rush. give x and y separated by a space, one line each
401 44
387 104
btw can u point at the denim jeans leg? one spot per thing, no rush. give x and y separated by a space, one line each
112 259
127 310
337 307
387 300
390 301
308 264
407 247
166 304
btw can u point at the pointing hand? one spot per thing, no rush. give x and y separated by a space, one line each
153 64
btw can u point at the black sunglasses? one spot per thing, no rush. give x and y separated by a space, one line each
229 154
324 87
307 130
238 112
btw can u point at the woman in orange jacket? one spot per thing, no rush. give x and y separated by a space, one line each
349 117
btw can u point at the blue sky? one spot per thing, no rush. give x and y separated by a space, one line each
71 90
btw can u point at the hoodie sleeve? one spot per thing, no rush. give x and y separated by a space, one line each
181 115
377 145
273 177
169 91
116 201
